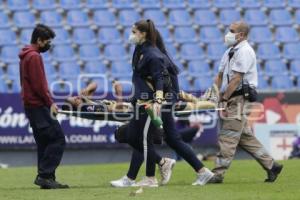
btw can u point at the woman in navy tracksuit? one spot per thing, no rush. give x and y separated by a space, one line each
152 65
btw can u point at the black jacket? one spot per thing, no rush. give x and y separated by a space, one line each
149 63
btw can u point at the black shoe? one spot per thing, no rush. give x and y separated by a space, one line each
216 179
49 183
274 172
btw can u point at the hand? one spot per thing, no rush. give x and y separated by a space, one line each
84 92
157 109
53 110
223 104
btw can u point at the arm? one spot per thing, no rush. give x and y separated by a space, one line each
38 79
218 80
89 90
156 72
233 84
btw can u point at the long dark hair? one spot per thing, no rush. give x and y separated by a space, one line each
148 27
161 46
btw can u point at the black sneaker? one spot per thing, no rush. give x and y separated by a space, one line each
216 179
49 183
274 172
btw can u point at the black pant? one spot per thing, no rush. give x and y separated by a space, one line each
49 138
172 138
137 158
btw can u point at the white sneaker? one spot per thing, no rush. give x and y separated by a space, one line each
203 177
147 182
123 182
166 170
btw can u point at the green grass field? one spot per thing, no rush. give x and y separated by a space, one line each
244 180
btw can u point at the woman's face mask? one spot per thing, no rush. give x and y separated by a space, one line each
136 37
133 39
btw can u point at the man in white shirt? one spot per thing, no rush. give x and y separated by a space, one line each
237 80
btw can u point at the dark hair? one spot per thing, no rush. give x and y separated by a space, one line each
43 32
161 46
148 27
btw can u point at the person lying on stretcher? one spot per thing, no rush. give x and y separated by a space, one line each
85 103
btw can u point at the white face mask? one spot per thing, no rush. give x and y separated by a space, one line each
133 39
230 39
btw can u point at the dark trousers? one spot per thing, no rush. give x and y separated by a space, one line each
172 138
49 138
137 158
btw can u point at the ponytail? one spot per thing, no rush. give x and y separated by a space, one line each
152 34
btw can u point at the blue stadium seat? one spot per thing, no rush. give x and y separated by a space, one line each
185 35
44 4
198 68
14 85
8 37
260 70
202 83
16 5
291 51
63 53
199 4
184 83
83 36
215 69
295 68
67 85
262 83
115 52
109 36
25 36
294 3
95 67
104 18
9 54
49 69
149 4
69 69
173 4
62 36
224 4
123 4
261 34
274 4
120 69
13 70
250 4
128 17
77 18
165 33
275 67
255 17
70 4
89 52
24 19
51 18
97 4
227 16
3 87
191 52
297 16
280 17
277 82
157 16
215 51
268 51
46 57
286 34
4 21
205 18
171 50
179 18
210 34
